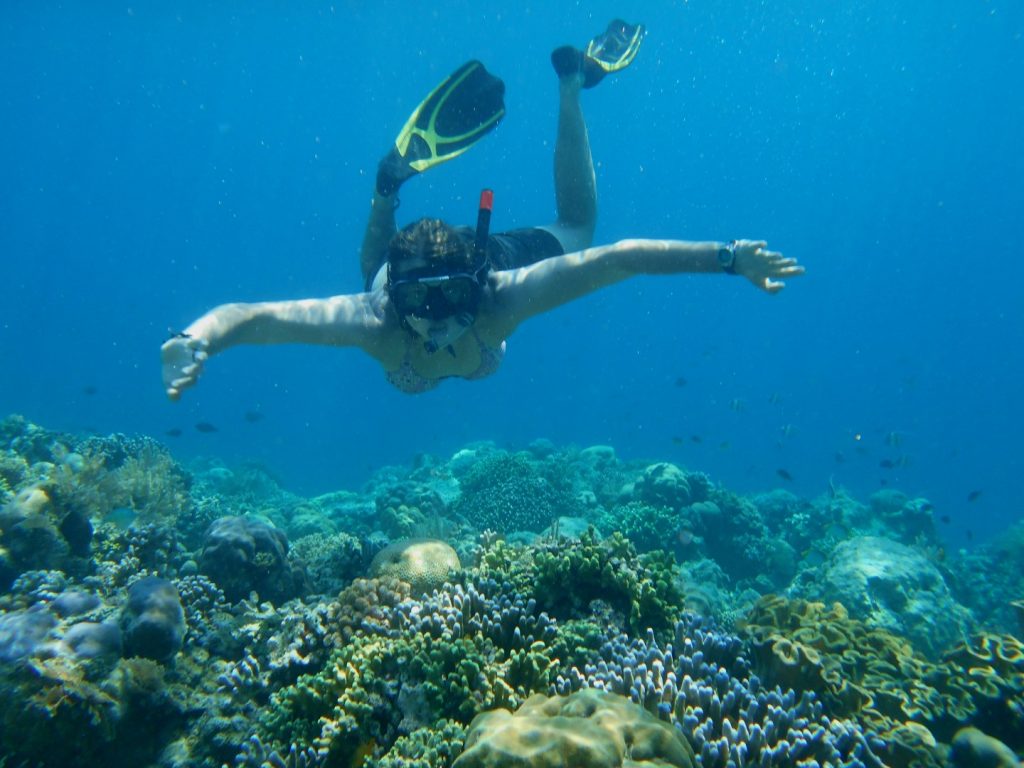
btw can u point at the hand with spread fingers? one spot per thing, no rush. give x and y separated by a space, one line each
762 267
182 356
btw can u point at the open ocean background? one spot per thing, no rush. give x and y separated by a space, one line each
159 161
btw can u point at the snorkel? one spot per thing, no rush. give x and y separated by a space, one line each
440 308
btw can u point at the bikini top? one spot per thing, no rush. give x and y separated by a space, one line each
406 378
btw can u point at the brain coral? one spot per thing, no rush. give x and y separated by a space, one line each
422 563
588 729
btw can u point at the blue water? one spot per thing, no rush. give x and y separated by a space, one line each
157 163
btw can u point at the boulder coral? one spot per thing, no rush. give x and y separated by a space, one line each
243 554
424 564
153 621
893 587
589 729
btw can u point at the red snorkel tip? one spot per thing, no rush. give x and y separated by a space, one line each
483 225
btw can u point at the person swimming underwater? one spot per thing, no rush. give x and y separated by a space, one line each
440 301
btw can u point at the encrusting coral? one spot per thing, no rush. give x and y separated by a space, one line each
914 704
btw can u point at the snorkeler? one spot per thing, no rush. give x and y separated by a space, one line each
440 301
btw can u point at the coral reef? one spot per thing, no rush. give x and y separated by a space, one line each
915 705
153 615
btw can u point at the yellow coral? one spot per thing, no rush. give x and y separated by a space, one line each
589 728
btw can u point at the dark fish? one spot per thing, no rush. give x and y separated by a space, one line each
840 458
677 440
696 439
944 519
681 382
724 445
173 432
205 426
90 390
784 474
887 464
970 535
882 481
974 495
253 416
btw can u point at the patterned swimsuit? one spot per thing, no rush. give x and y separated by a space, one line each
409 381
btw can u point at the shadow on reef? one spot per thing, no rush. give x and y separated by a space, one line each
465 611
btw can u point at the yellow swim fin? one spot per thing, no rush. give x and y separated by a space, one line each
606 53
459 112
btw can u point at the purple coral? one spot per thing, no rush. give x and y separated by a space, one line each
703 685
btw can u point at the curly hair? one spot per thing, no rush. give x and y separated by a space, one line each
438 244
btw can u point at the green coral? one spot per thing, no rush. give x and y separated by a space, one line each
369 685
508 492
569 575
648 527
434 747
408 509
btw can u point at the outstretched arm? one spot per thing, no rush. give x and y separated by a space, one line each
336 321
532 290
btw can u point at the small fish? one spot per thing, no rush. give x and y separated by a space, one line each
696 439
738 404
121 517
253 416
974 495
677 440
882 481
173 432
205 426
787 430
89 390
725 445
840 457
970 535
784 474
774 397
887 464
681 382
944 519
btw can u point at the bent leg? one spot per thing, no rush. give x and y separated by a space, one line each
575 185
380 228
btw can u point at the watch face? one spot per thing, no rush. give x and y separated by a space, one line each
726 256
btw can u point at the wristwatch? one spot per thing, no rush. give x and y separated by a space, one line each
727 258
